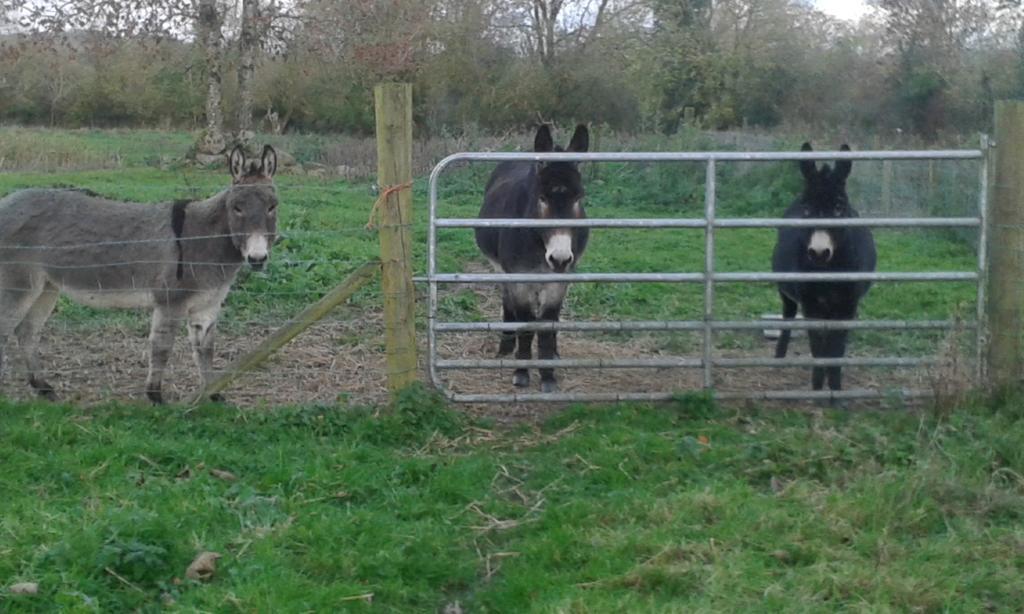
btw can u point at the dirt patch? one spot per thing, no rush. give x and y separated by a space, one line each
323 365
341 361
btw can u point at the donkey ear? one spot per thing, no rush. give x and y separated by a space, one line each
543 141
843 167
807 167
268 163
236 163
580 139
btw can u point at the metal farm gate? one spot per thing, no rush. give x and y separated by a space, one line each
710 223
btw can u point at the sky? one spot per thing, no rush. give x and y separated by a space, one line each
845 9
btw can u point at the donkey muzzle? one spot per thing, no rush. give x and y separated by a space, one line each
821 247
560 262
257 263
256 251
558 251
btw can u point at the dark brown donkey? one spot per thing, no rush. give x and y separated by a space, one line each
531 190
823 249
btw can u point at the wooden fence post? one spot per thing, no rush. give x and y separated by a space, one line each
393 104
1006 252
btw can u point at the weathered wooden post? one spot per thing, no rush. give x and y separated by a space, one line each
393 102
1006 252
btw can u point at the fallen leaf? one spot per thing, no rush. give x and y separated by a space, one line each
782 556
24 588
203 567
227 476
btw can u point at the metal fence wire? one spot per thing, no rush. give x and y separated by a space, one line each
708 362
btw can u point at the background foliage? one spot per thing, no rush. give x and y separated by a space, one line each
496 65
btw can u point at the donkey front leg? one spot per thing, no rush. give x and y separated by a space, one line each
789 308
819 345
547 349
836 348
521 377
202 325
163 329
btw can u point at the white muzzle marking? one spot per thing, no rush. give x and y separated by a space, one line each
821 245
559 249
257 248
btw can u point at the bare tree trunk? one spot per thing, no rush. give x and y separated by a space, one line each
248 43
209 34
545 18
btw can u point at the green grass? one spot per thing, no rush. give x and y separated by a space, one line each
678 508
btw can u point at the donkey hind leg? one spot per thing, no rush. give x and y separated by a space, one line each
17 295
789 308
524 351
161 341
202 324
28 338
508 338
547 349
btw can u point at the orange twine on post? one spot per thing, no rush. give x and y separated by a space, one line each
384 194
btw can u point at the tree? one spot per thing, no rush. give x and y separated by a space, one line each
209 24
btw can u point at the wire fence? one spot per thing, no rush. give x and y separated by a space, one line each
327 194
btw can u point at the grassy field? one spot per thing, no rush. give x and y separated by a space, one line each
685 507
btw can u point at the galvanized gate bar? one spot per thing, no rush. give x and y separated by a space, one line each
695 156
708 277
743 222
982 334
517 278
678 363
710 192
728 395
573 363
696 325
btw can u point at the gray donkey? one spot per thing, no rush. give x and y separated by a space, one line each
177 258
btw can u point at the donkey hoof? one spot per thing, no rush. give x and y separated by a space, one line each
43 389
835 403
521 379
549 387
